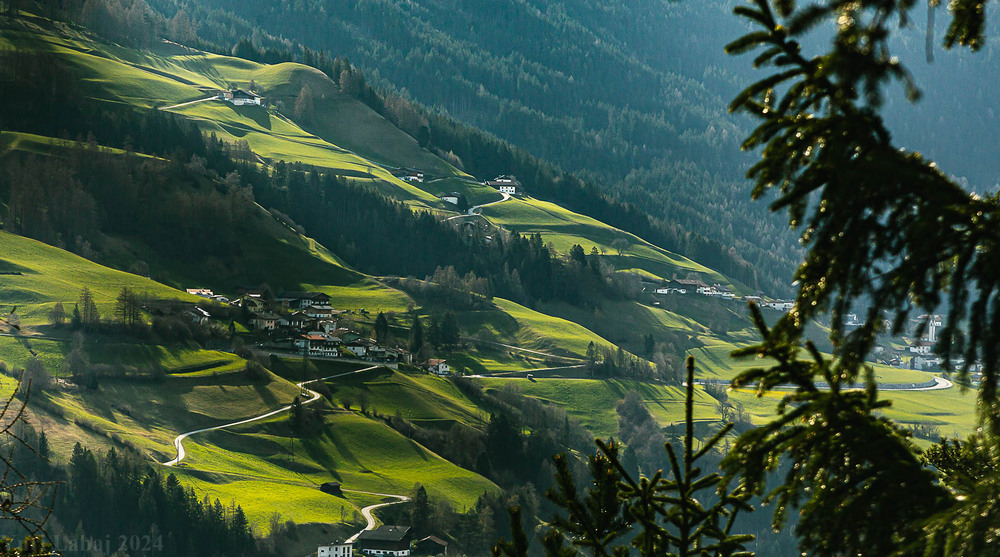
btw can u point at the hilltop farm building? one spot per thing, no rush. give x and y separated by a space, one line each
240 97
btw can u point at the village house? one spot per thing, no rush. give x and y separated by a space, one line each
296 319
198 315
201 292
240 97
302 300
331 328
717 291
253 302
922 347
409 174
431 545
926 363
506 184
384 541
359 346
688 284
780 305
264 321
670 290
451 198
336 549
398 355
318 344
319 311
438 367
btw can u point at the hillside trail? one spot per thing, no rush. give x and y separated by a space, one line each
313 397
188 103
472 210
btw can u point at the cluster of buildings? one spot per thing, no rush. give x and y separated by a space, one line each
919 350
695 286
384 541
306 323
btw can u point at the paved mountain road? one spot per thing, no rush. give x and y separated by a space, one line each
313 397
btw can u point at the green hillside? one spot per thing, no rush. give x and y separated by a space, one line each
345 121
34 276
565 228
642 112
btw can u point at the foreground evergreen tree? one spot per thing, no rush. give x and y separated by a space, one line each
888 235
669 515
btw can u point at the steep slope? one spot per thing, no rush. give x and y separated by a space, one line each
633 93
181 81
35 276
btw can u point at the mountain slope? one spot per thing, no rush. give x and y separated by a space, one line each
633 94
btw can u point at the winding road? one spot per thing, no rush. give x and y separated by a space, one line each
367 511
313 397
472 210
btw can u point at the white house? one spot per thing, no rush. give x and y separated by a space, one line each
780 305
921 347
438 367
318 344
360 346
202 292
670 290
336 549
450 198
319 311
506 184
240 97
925 363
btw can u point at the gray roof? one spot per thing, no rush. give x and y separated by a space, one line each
385 533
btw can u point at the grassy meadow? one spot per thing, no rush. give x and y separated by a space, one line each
563 228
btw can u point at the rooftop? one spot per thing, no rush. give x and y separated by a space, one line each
385 533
